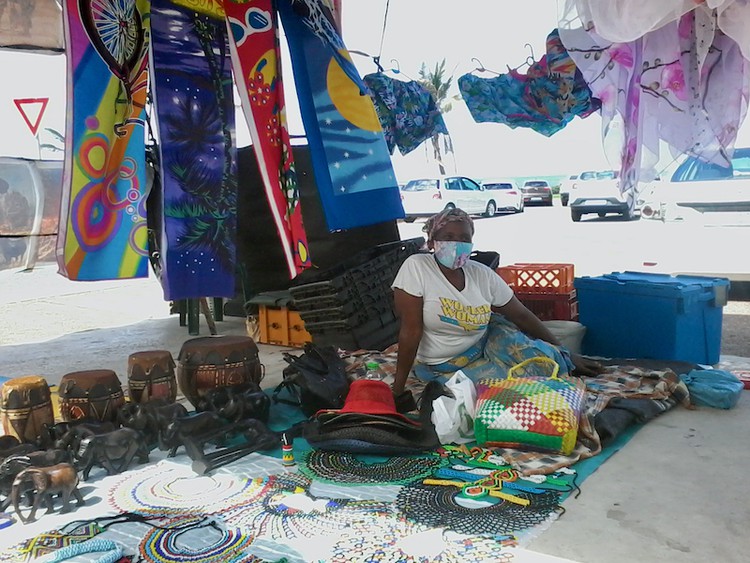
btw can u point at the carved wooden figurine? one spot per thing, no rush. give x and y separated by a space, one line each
114 451
60 479
11 466
150 417
174 434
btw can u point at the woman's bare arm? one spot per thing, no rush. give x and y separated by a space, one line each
409 310
529 324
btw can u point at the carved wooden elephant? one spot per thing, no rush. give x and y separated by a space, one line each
60 479
151 417
114 451
11 466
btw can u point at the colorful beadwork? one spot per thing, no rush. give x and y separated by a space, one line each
436 506
48 542
164 545
276 514
343 468
167 489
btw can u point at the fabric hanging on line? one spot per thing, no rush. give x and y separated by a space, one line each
192 84
545 99
31 25
256 60
627 20
407 112
102 233
685 83
352 166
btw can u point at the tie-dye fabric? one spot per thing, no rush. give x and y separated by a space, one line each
350 158
192 84
503 347
103 216
544 99
684 84
408 113
255 58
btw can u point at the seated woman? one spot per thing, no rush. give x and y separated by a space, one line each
457 313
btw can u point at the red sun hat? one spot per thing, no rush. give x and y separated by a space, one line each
370 396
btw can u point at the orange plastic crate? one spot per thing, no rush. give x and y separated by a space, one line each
551 306
280 326
538 278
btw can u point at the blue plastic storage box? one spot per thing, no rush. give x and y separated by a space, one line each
658 316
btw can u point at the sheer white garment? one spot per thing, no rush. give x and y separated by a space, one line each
622 21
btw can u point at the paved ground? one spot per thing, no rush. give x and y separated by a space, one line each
674 493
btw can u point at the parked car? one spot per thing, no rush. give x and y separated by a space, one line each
698 189
426 196
599 192
30 193
565 188
537 191
506 194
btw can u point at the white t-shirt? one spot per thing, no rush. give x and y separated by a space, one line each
453 320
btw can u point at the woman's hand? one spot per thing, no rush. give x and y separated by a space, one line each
586 366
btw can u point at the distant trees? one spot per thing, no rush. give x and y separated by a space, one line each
438 83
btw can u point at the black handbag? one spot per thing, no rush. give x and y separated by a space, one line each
314 381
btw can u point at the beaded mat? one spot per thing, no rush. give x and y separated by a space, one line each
261 513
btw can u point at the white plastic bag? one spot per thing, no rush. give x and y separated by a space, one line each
453 417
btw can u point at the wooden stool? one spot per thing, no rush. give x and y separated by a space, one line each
92 394
217 361
151 375
26 405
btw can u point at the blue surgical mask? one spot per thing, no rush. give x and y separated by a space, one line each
452 254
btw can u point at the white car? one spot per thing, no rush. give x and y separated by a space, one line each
598 192
424 197
507 195
699 190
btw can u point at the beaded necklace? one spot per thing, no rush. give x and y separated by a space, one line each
436 506
166 545
167 490
346 468
274 515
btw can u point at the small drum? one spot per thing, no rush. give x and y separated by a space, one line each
92 394
151 376
25 406
217 361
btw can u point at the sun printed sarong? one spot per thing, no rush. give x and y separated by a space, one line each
350 158
103 231
192 84
256 61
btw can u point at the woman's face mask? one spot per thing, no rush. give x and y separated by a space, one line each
452 254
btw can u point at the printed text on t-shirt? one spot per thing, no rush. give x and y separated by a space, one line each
466 316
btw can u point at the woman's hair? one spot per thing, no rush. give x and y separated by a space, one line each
440 220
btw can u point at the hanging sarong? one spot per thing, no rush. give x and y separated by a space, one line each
545 99
256 61
192 83
103 217
407 111
350 158
684 84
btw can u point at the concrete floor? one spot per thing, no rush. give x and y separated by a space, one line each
676 492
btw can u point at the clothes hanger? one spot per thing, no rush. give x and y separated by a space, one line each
375 59
530 60
481 68
396 69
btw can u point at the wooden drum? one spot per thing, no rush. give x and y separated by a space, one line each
151 375
26 405
208 362
93 394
